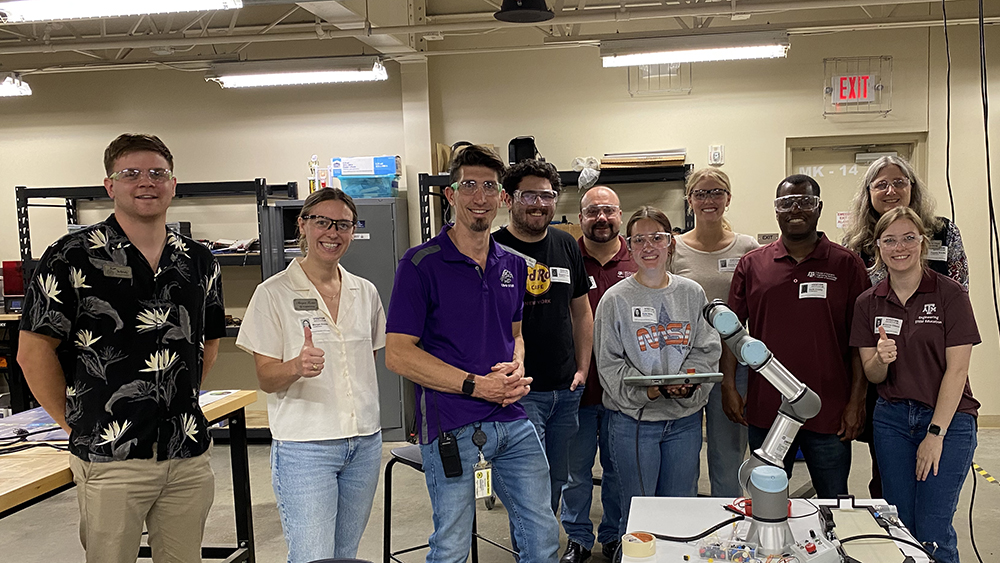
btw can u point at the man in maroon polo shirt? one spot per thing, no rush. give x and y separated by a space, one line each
607 261
798 294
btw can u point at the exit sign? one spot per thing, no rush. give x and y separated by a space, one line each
852 88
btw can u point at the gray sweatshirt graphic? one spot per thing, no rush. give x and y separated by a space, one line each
643 331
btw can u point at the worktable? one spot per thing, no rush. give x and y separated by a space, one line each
32 475
685 517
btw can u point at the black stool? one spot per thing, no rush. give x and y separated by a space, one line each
410 455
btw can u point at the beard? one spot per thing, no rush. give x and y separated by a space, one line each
605 236
479 225
525 225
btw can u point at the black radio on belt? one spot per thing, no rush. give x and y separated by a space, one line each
451 462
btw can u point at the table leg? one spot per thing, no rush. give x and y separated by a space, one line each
241 482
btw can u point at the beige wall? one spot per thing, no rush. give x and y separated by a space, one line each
574 108
57 137
563 97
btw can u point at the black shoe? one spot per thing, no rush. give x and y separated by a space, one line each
609 549
575 553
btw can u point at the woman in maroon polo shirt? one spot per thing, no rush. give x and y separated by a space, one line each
915 331
892 182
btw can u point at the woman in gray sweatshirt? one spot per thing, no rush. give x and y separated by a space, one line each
651 324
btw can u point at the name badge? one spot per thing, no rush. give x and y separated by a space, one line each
643 314
812 290
559 275
938 252
320 325
891 325
116 271
305 304
728 264
593 283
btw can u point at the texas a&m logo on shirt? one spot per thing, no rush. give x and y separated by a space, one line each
656 335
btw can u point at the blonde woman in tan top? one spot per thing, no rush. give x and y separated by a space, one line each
708 254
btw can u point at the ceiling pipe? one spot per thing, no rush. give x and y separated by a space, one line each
197 66
18 47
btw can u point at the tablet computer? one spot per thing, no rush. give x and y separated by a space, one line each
675 379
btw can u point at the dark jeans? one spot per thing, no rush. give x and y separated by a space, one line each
925 507
828 459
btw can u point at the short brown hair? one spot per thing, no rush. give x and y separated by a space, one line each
475 155
127 143
318 197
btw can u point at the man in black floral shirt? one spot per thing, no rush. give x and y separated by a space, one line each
121 322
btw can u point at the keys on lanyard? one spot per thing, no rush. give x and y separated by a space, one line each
484 469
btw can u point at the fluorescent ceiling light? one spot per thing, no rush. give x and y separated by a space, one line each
12 85
52 10
297 71
694 48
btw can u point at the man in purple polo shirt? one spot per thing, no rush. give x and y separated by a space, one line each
798 294
607 261
454 329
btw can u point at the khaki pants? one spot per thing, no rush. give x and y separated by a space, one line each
172 497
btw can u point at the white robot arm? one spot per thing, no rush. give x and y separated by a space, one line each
763 475
799 403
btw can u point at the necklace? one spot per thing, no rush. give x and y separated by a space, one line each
334 296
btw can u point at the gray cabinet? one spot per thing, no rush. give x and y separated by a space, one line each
380 240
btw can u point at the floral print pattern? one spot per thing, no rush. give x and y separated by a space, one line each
129 385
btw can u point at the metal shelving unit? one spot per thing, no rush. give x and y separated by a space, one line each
610 176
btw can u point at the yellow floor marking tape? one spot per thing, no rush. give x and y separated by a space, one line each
983 472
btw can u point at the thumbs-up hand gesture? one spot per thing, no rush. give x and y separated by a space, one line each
310 360
886 347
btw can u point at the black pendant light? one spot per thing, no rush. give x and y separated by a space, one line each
524 11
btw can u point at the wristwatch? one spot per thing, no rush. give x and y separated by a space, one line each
935 430
469 385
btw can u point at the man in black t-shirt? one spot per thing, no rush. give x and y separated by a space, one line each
557 323
121 322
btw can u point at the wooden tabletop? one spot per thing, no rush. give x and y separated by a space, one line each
29 473
10 316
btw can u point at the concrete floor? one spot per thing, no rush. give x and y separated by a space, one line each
47 531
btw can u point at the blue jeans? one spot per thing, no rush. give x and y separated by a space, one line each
925 507
668 458
828 459
727 441
554 414
520 479
325 491
579 490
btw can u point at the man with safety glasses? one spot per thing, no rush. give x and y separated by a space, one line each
558 324
121 323
454 329
798 295
608 261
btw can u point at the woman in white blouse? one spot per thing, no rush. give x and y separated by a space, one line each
314 331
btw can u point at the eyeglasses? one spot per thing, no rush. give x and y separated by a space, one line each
897 184
325 223
786 203
595 211
536 198
703 195
155 175
470 187
906 241
656 240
